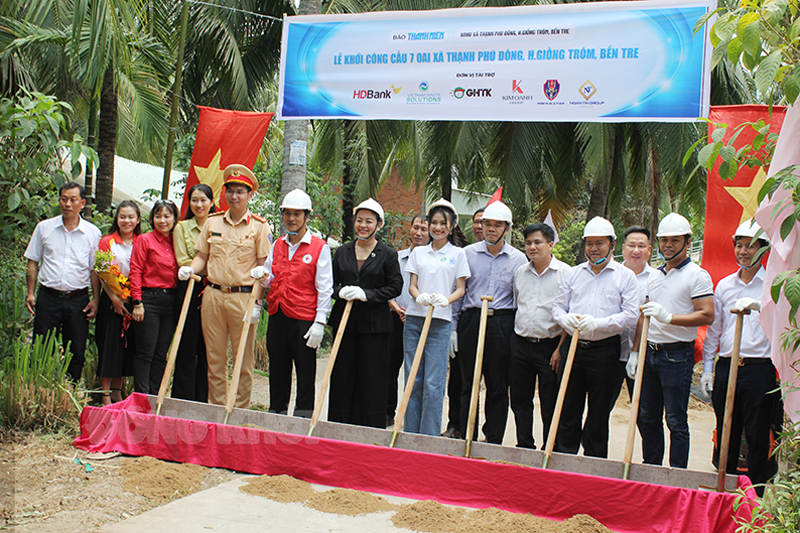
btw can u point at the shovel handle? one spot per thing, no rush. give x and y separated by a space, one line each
176 343
637 395
237 363
337 341
733 376
562 391
412 376
476 378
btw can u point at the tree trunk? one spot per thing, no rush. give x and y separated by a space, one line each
654 180
598 200
89 176
294 176
106 142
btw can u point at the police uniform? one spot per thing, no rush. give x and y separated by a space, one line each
233 250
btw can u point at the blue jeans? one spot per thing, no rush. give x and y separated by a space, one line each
424 412
665 391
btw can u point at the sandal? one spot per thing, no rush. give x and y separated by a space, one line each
107 399
116 397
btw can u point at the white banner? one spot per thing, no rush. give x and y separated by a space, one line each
587 62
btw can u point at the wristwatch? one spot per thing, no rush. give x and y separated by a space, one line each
137 302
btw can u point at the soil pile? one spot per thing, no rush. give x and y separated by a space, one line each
429 516
581 523
284 489
349 502
492 519
161 480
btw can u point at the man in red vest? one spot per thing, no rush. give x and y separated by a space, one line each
300 286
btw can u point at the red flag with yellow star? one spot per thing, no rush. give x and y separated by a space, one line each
224 137
731 202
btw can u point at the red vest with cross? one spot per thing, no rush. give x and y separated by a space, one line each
294 288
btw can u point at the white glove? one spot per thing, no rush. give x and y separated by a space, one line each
185 272
345 293
746 303
707 382
256 313
424 298
453 344
630 367
314 335
657 311
439 300
571 321
588 323
258 272
352 292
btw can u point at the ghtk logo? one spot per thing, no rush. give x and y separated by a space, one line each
369 94
587 90
460 92
516 86
551 88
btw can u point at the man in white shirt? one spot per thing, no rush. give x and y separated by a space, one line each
757 397
679 299
419 237
61 256
598 298
537 337
636 250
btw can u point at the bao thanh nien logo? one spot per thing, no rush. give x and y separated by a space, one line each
587 90
551 88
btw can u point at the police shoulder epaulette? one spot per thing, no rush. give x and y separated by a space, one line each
259 218
217 214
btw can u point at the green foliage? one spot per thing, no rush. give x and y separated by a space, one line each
761 35
569 243
35 147
756 154
33 390
14 316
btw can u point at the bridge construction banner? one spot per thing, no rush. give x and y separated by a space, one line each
586 62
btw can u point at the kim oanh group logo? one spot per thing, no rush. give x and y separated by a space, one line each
459 92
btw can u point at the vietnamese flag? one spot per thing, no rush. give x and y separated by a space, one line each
496 197
731 202
224 137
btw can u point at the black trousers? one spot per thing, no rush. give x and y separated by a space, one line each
66 317
191 367
286 346
358 394
394 364
593 371
499 329
753 408
620 377
153 337
530 361
454 385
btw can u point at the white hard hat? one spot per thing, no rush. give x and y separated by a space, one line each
599 227
441 202
296 199
370 205
750 228
498 211
672 225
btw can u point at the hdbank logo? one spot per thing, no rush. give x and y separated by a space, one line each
370 94
460 92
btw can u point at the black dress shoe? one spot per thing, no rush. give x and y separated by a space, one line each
389 421
452 433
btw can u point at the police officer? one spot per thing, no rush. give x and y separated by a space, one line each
299 300
600 298
492 263
230 246
679 299
757 397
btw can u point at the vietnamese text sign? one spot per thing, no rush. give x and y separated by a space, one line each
588 62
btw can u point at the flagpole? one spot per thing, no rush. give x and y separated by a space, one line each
176 90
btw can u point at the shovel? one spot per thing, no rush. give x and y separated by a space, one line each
562 391
412 375
637 393
476 378
329 370
237 363
176 343
733 376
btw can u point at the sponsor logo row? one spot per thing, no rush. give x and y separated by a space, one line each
519 92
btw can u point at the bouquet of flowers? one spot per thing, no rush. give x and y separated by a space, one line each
108 270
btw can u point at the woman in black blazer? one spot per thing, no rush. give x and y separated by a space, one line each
366 271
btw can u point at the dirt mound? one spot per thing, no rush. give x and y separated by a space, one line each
429 516
492 519
161 480
581 523
349 502
284 489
